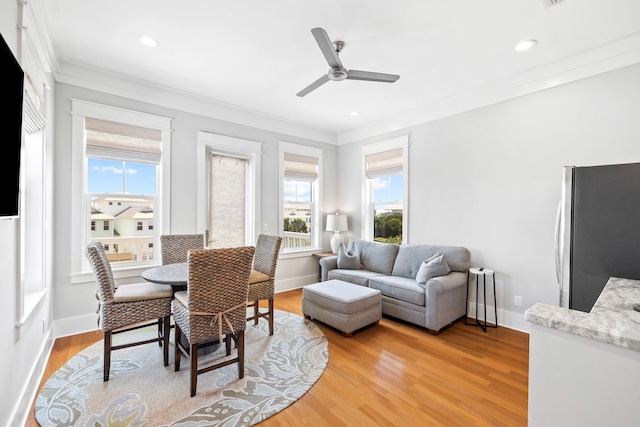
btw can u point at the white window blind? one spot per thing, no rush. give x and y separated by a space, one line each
117 141
227 198
384 163
300 167
33 120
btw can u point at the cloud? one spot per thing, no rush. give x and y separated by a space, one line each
381 183
114 170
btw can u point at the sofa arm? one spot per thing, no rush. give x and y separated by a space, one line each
445 299
326 264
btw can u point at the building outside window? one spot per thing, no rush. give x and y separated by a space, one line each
123 173
385 188
300 196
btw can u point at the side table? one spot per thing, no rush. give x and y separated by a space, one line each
482 272
319 256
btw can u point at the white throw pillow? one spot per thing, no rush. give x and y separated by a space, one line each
348 259
432 267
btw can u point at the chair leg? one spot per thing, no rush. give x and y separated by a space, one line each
256 307
160 324
107 356
193 355
240 342
166 331
227 344
271 311
176 354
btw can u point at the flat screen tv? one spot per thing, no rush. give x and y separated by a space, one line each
11 140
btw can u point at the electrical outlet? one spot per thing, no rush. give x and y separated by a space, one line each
517 300
264 227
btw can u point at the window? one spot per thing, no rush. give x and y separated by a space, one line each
385 189
300 189
33 225
120 178
228 199
93 226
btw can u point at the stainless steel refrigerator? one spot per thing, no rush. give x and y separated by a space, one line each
597 231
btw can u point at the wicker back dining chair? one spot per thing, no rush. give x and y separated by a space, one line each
174 247
213 306
128 307
262 281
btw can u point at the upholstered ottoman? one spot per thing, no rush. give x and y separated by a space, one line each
345 306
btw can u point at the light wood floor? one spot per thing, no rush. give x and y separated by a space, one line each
396 374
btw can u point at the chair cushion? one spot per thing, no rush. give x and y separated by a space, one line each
257 277
182 297
349 259
376 256
141 291
432 267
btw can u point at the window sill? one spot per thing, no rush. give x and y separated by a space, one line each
299 254
118 273
31 302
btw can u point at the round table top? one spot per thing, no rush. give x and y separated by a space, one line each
476 270
168 274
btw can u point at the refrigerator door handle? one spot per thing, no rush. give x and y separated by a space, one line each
558 249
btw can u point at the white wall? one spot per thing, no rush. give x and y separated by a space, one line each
75 303
489 179
23 348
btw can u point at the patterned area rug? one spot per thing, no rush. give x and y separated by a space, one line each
279 369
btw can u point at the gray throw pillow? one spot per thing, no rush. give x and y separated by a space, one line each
432 267
348 259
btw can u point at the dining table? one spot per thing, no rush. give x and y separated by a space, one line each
177 275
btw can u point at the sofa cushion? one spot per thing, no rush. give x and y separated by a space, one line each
432 267
376 256
411 257
400 288
348 259
359 277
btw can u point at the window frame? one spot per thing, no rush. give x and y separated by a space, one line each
401 142
252 151
316 201
80 109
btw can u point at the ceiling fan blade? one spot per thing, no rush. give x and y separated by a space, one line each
371 76
326 46
313 86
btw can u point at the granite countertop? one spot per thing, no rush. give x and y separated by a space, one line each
612 319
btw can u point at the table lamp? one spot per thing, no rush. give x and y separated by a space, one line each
336 223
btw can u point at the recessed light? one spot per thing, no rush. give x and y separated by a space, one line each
525 45
148 41
354 113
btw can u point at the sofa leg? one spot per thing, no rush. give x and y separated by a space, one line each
432 332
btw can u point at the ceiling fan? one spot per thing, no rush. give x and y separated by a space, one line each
337 72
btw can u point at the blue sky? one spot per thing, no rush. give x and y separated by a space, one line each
388 188
105 176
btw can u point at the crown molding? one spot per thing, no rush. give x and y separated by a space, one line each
617 54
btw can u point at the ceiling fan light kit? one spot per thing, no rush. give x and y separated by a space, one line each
338 72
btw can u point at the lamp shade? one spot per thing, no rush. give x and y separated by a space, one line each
337 222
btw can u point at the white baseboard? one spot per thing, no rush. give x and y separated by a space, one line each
295 283
28 393
508 319
76 325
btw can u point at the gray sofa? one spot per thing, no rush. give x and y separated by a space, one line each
392 269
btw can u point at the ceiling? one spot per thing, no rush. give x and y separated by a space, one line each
256 55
